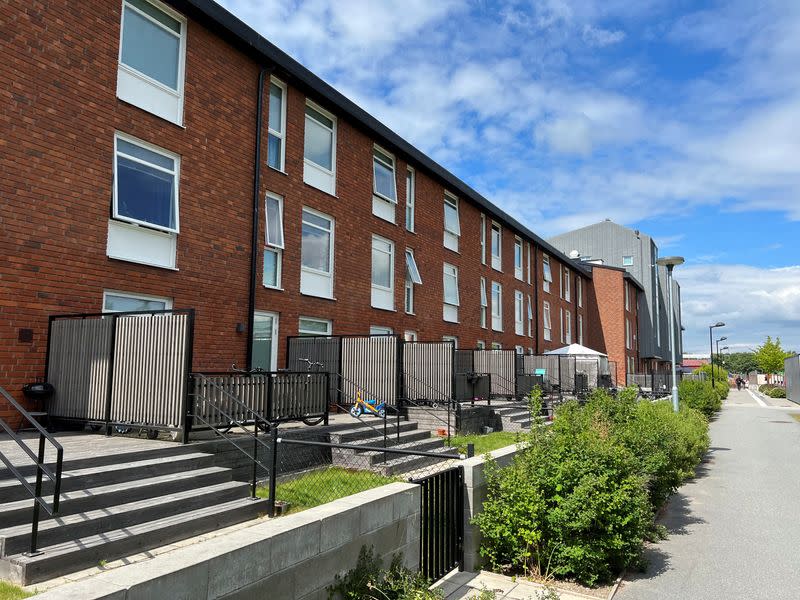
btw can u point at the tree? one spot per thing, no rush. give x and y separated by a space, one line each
737 362
770 356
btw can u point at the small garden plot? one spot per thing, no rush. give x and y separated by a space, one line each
326 485
484 442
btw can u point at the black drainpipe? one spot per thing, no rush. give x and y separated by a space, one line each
251 303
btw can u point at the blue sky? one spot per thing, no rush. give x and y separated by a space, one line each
680 118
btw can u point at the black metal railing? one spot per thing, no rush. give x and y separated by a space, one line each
42 469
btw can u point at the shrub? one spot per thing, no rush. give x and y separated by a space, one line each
777 392
722 388
369 581
699 395
766 388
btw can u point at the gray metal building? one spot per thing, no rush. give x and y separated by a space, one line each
612 244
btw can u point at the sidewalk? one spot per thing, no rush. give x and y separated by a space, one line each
465 585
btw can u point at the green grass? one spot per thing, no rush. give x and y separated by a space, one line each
796 417
484 442
326 485
12 592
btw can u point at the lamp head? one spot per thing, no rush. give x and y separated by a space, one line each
670 261
722 339
717 324
724 348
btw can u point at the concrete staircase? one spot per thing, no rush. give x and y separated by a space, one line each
117 505
513 418
410 437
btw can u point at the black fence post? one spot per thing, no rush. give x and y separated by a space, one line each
273 473
110 374
188 398
37 496
326 419
255 457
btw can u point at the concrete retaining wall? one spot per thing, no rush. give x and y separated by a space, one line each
294 557
474 496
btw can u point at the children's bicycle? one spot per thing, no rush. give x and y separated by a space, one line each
368 407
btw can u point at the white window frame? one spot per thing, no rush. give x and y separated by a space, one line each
135 296
627 333
567 327
411 190
452 235
450 309
484 303
451 338
579 290
480 345
518 265
275 335
281 135
175 183
313 275
497 259
274 248
497 306
496 346
530 317
519 313
567 285
391 165
327 322
627 260
143 91
380 330
547 273
528 251
519 350
483 239
409 335
313 174
383 297
627 296
547 321
410 281
580 329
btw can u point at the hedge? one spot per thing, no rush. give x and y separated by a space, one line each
701 396
578 501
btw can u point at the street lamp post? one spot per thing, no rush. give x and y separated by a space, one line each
722 339
671 262
711 347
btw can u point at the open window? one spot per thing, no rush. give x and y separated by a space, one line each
452 223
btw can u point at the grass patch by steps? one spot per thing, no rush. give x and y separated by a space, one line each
796 417
484 442
12 592
326 485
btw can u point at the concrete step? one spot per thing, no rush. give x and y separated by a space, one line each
404 464
415 435
74 555
11 489
366 459
83 500
62 529
363 431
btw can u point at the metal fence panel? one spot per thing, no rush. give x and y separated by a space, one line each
298 395
545 365
501 365
791 373
591 368
428 371
78 359
567 372
370 366
149 369
465 361
326 351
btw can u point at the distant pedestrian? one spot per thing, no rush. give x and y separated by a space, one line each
739 382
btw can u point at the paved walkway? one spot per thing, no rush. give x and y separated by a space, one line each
734 530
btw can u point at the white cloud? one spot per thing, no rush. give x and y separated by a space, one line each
599 37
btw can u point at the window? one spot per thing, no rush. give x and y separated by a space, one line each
410 192
580 329
384 187
480 345
547 274
627 296
320 149
484 303
451 338
528 250
561 323
579 290
382 273
145 184
519 311
530 317
410 336
311 326
151 58
452 225
518 258
497 346
276 150
380 330
627 334
627 261
567 327
265 341
496 247
451 298
497 306
566 286
125 302
547 322
412 278
316 276
483 239
274 241
519 350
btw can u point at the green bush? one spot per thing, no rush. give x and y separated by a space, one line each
722 388
777 392
369 581
766 388
699 395
578 501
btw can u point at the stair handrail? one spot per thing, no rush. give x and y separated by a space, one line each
41 468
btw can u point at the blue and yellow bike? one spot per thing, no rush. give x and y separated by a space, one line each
367 407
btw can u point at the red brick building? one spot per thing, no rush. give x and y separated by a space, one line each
142 141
